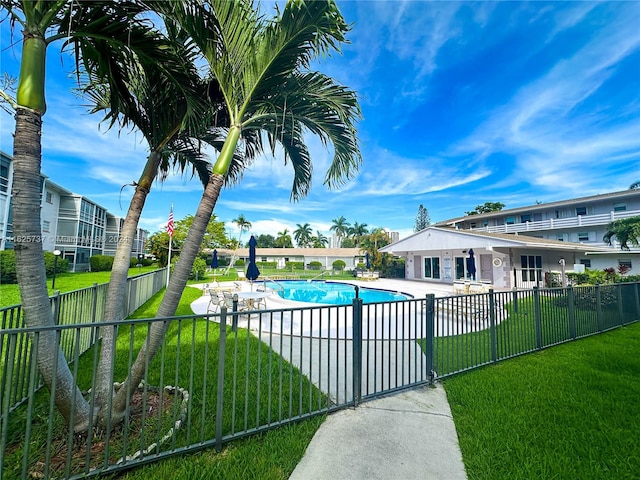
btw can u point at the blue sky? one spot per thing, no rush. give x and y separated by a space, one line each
463 103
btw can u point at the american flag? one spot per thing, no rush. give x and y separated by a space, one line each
170 224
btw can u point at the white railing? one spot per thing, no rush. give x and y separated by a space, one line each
560 223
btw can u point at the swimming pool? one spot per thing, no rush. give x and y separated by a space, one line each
332 293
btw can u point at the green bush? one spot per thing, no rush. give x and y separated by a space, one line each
339 265
315 265
239 263
101 263
198 269
586 298
268 265
50 260
8 266
294 266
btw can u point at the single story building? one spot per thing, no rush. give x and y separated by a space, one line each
441 254
352 257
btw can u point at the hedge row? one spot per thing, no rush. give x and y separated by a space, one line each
8 265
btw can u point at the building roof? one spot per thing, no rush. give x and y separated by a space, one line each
447 237
621 195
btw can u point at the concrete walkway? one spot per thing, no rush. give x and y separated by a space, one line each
405 436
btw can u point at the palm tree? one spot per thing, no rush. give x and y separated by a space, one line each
113 35
261 70
302 234
626 231
284 239
340 227
320 240
243 224
358 231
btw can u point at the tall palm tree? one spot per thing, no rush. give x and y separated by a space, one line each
284 239
243 224
340 227
302 234
114 35
320 240
262 71
358 231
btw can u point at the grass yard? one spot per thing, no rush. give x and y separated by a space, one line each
568 412
65 282
252 396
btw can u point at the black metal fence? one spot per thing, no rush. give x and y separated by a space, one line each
233 374
79 307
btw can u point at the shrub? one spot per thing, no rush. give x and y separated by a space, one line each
50 260
339 265
198 269
269 265
8 266
315 265
239 263
101 263
294 266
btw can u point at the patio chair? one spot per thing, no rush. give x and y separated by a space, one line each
215 301
228 302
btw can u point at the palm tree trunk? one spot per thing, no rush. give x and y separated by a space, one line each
30 269
114 308
173 293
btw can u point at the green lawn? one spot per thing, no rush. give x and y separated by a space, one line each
568 412
65 282
190 360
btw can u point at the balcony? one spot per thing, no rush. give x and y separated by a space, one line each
560 223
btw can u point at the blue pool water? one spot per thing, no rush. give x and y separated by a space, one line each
332 293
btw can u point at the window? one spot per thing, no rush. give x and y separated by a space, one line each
263 259
531 268
525 218
473 225
49 197
583 236
485 223
510 220
581 211
619 207
586 262
432 267
560 237
46 225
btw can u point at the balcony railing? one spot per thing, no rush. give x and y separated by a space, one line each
560 223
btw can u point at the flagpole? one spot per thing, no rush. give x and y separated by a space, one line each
170 232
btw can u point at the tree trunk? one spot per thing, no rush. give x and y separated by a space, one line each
173 293
114 307
30 269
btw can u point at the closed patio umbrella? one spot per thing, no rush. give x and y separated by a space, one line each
214 260
252 269
472 264
367 260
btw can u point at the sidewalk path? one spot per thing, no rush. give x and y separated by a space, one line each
405 436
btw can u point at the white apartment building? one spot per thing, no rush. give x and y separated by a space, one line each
518 247
73 224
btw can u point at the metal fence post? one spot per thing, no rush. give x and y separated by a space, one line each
620 307
538 317
220 388
357 350
572 311
599 308
56 307
430 330
492 324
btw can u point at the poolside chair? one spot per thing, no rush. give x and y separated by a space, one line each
215 301
228 301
